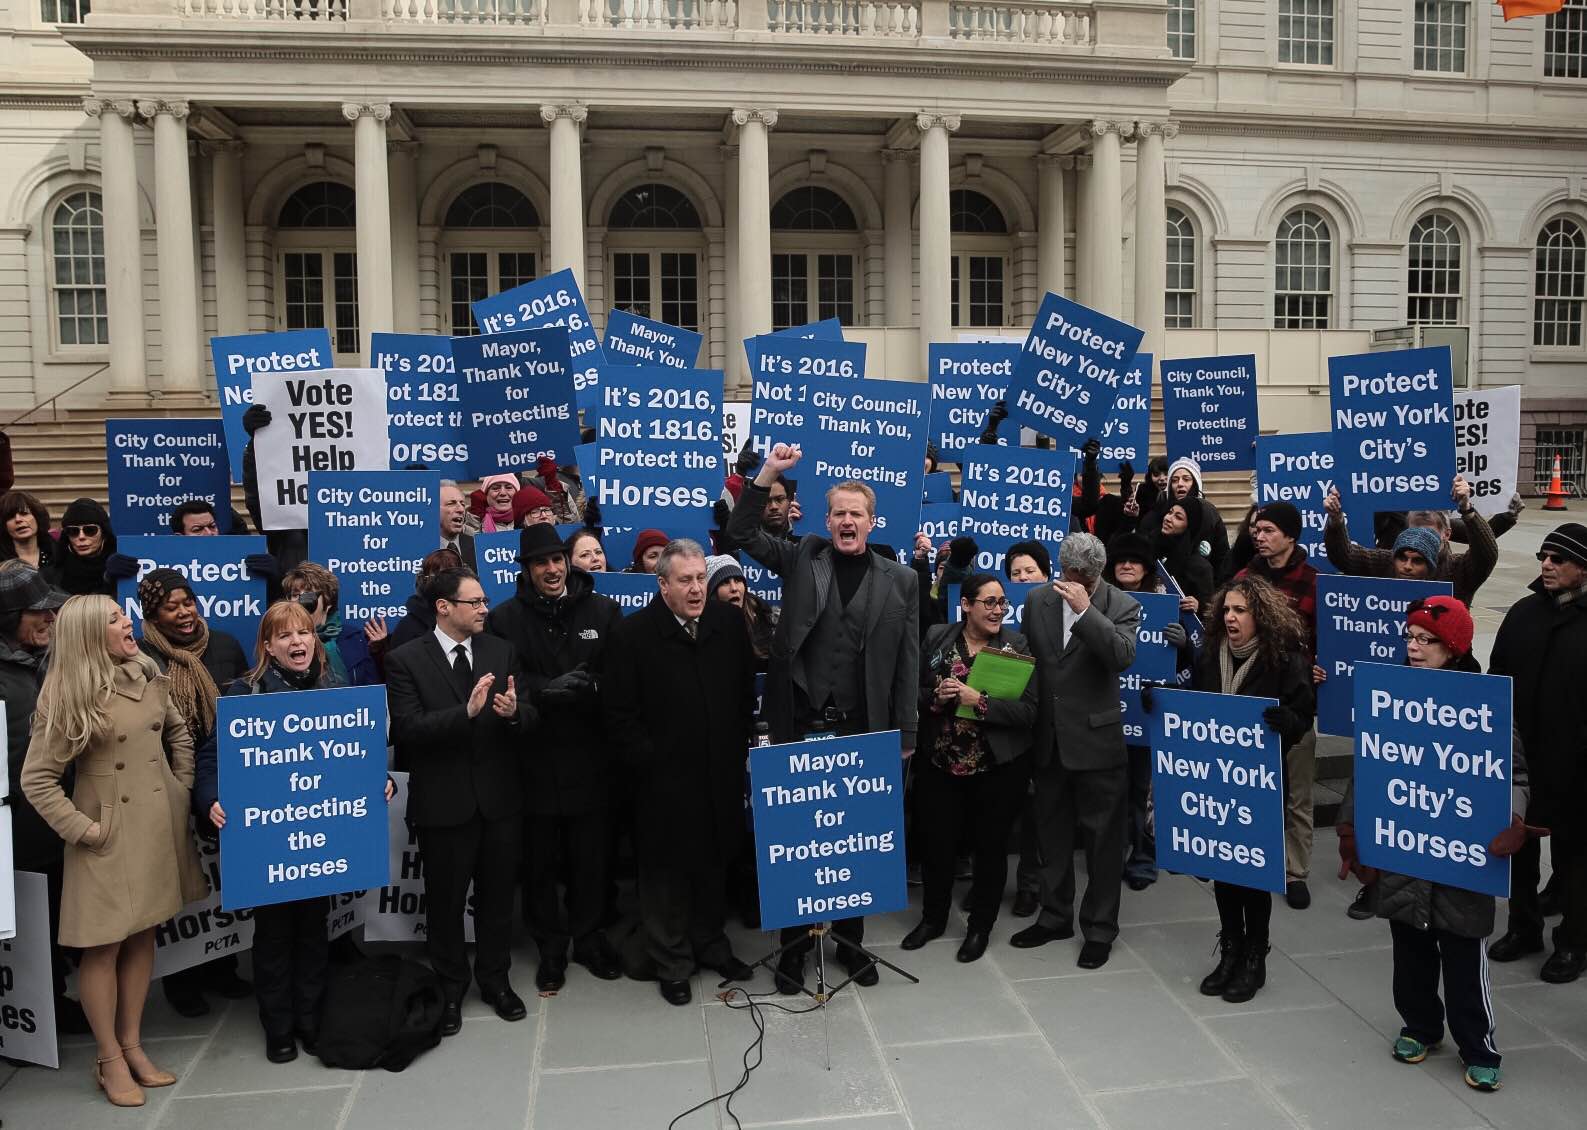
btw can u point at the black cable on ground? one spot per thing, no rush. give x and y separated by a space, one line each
753 1005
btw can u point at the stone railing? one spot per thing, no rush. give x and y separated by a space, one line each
520 13
659 15
1020 23
844 17
310 11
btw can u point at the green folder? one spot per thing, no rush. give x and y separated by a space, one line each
1000 674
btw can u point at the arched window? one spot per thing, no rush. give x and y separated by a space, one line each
1432 285
491 244
1179 300
980 255
317 265
653 232
815 247
1560 284
1303 272
77 270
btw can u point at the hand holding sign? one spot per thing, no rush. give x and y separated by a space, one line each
1514 838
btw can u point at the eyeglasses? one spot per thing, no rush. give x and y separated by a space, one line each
1420 639
91 530
1553 558
540 512
477 602
992 603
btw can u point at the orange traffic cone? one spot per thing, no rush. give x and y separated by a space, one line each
1556 489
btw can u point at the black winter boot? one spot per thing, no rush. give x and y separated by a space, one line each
1231 947
1251 975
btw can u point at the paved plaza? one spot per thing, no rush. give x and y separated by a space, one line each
1022 1039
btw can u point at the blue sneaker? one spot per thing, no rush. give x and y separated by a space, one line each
1408 1049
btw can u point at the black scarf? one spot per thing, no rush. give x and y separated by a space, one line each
298 680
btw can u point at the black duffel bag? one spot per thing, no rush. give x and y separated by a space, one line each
379 1012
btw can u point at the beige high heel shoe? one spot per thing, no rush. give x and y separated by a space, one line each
133 1097
158 1079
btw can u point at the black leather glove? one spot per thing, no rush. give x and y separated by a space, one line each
120 567
1146 697
1175 634
592 512
1279 717
961 551
564 690
996 416
720 512
1091 448
257 416
748 462
262 565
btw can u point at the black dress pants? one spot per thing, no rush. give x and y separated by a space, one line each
290 955
1570 880
484 852
985 803
574 848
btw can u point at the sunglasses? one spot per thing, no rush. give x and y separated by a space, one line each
1553 558
89 531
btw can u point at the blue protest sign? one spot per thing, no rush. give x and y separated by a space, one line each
1216 782
230 599
373 529
941 521
1434 766
966 380
1359 618
1071 369
303 783
424 404
1126 433
156 465
496 558
517 391
238 358
1014 494
1014 591
829 828
778 355
632 340
828 329
1393 419
1209 411
632 591
937 487
552 301
1299 469
658 456
1154 655
760 580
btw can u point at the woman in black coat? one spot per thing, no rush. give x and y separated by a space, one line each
968 770
87 544
1177 539
1255 646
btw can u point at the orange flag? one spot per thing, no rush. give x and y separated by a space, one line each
1514 9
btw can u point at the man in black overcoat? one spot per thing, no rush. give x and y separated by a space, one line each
680 699
459 728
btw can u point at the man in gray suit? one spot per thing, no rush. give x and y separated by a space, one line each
845 657
1082 632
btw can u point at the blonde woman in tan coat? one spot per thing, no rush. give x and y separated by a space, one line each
106 710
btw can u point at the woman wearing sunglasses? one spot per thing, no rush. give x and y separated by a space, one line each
1439 930
87 543
968 771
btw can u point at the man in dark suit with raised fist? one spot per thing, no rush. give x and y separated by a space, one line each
458 727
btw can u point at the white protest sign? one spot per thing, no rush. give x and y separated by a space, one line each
348 912
8 903
201 931
735 430
27 991
1488 445
331 420
396 912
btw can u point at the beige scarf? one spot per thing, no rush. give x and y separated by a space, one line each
193 691
1231 679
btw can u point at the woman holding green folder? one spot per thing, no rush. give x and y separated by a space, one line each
972 766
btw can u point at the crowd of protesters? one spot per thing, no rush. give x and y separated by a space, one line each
558 749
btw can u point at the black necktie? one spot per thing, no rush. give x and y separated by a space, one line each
693 628
462 670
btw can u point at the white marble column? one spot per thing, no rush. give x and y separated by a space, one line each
176 246
1151 227
404 158
734 363
231 252
936 237
1050 222
1107 198
754 220
373 185
1085 232
898 240
123 223
566 121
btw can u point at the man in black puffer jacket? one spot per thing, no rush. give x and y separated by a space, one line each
560 626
